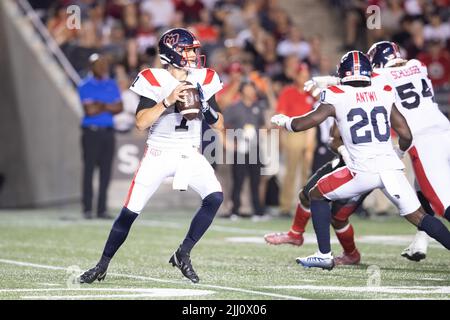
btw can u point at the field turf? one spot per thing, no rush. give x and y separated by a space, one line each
41 251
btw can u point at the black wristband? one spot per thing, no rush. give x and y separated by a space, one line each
211 116
164 103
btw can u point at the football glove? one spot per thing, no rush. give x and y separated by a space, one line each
210 115
281 120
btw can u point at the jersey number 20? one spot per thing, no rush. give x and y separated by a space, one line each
366 136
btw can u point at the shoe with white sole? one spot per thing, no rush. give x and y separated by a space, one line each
417 250
317 260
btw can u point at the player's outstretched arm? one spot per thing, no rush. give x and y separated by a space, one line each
401 127
305 122
150 113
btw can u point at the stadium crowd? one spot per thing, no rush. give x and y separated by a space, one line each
249 40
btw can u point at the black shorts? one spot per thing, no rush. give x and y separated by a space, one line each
327 168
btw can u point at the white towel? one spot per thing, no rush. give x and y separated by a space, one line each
182 173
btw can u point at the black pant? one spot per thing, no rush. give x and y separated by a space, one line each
240 171
98 150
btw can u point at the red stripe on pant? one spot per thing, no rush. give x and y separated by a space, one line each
424 183
334 180
345 212
132 182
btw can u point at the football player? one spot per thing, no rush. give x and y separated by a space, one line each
364 115
172 146
430 152
341 210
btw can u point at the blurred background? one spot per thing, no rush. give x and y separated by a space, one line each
275 44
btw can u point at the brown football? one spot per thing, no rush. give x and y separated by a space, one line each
190 107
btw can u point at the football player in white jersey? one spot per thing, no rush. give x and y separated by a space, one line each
172 146
430 150
364 115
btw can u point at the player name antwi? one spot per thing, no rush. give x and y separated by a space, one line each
366 96
405 73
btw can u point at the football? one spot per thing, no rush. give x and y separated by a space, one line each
190 106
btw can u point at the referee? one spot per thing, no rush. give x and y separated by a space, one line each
101 99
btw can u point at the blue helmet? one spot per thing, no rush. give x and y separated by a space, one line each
384 54
172 45
354 66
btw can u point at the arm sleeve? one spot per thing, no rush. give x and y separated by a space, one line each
213 103
145 103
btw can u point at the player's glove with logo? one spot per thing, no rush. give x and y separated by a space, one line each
210 115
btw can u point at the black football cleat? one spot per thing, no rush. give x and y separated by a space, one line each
183 262
96 273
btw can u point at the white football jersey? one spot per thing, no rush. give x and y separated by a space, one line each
171 129
363 119
414 97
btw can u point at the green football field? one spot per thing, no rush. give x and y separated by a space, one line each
42 251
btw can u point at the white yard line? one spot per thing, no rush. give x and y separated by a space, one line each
145 278
388 289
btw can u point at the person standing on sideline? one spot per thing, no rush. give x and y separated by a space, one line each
297 147
101 100
247 115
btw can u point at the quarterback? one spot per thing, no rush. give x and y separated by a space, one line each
172 146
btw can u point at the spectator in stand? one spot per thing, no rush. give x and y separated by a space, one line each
288 74
355 16
294 44
161 11
297 147
436 29
437 60
130 20
417 43
391 16
57 26
191 10
207 33
115 48
146 36
315 57
86 44
230 94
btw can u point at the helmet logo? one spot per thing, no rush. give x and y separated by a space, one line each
171 39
